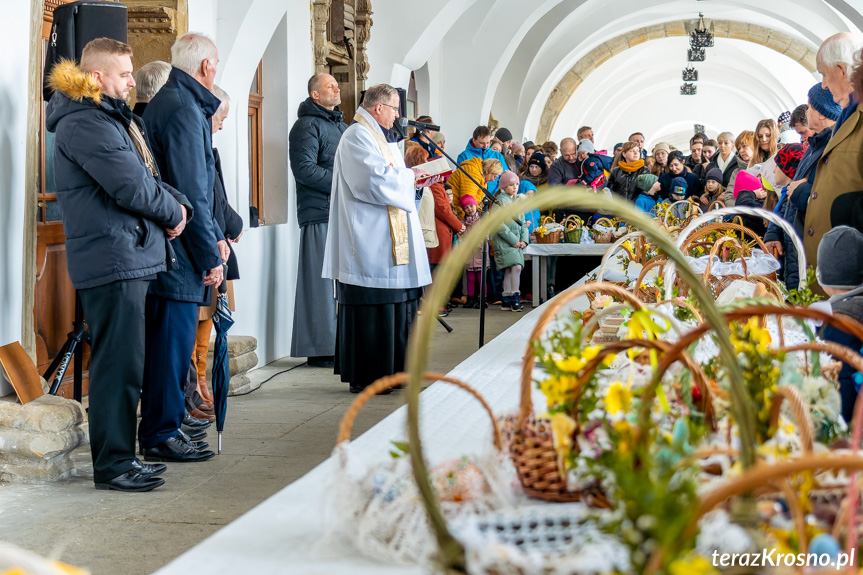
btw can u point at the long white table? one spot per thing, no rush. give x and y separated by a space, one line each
289 532
539 255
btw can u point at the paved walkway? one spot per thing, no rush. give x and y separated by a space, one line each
273 436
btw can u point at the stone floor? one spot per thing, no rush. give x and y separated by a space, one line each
272 437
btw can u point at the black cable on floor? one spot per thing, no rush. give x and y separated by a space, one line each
269 378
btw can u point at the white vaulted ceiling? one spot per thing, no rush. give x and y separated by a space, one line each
508 56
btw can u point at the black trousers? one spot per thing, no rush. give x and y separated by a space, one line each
116 319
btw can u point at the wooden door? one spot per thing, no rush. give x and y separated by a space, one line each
55 297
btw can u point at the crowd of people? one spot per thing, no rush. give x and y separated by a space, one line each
149 229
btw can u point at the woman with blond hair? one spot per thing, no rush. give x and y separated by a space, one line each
767 139
745 146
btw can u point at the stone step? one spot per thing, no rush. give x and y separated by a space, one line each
236 364
237 345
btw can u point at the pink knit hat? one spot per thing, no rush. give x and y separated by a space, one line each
507 178
467 200
746 181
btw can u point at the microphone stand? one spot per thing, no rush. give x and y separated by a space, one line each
486 204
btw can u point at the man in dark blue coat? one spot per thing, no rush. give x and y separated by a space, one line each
312 145
178 121
118 217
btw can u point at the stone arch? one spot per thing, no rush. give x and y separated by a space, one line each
778 41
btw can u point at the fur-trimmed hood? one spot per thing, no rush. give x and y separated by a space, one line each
68 78
76 91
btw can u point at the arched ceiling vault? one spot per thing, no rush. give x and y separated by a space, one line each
778 41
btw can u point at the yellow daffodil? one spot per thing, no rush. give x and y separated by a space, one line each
592 351
692 565
618 398
571 364
558 390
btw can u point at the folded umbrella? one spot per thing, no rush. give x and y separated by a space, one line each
222 321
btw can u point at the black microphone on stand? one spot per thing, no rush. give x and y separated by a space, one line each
405 122
489 199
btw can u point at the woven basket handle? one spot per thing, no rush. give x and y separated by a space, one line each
656 262
401 378
714 203
670 211
714 252
600 275
605 222
577 222
801 414
761 474
548 315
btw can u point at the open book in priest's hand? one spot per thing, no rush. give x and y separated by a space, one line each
439 171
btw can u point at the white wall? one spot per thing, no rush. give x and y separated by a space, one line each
247 31
14 75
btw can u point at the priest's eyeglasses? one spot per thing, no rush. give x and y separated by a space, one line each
396 108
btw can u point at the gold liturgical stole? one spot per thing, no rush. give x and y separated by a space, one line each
398 217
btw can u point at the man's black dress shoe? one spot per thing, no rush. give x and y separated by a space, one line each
321 361
147 469
199 445
132 482
196 435
194 423
175 449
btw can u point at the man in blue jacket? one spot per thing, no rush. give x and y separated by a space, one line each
312 146
118 217
478 147
178 121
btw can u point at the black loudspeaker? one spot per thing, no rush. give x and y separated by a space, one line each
76 23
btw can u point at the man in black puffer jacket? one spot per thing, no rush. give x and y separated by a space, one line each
312 145
118 217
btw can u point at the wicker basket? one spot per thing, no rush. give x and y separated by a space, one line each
401 379
692 211
531 447
573 226
696 230
549 238
603 237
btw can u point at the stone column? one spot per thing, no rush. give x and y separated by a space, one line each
31 180
320 18
363 21
154 25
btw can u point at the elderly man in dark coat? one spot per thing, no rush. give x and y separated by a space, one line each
118 217
839 169
312 143
178 120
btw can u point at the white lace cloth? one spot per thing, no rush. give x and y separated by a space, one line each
298 531
758 264
293 531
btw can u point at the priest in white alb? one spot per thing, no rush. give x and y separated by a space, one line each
375 249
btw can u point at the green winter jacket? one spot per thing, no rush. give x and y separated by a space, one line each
512 232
